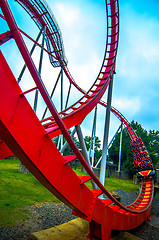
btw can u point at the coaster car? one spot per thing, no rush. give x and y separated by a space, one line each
145 173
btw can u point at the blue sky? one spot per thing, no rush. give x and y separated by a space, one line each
137 63
136 83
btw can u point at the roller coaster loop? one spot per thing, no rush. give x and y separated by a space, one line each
30 138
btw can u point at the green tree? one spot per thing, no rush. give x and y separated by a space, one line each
151 142
150 139
126 153
153 147
87 140
97 150
68 150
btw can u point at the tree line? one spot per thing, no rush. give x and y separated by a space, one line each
151 142
150 139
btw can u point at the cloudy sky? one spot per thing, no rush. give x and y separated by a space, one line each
136 83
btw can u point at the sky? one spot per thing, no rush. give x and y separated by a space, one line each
136 83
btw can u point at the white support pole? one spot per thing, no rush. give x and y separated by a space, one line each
106 134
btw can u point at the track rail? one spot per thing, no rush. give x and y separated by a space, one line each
81 108
40 155
35 148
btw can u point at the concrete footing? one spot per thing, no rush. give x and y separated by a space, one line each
75 229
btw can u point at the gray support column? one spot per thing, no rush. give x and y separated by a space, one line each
68 95
106 134
93 137
31 52
61 136
52 93
61 90
40 67
109 145
22 168
66 143
58 143
84 150
120 148
112 140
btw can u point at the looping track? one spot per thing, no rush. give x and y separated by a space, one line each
30 139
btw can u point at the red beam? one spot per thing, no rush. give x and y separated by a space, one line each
4 37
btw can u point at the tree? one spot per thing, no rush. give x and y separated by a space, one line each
153 147
126 153
68 150
87 140
150 139
97 150
151 142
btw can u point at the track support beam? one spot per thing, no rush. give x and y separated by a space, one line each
106 134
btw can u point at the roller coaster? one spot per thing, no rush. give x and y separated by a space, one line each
22 133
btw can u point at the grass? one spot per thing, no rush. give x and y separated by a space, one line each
19 191
112 184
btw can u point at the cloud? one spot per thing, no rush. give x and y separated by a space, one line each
128 106
139 46
68 14
84 40
83 28
137 80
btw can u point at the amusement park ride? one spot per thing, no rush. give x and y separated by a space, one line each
22 133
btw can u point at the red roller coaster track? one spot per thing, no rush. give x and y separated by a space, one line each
30 139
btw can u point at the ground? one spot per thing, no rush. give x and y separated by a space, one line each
47 215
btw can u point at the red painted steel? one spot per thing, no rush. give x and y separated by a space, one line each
31 142
4 37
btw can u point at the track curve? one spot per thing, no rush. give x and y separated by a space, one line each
35 148
75 114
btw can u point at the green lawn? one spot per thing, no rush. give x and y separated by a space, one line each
18 190
112 184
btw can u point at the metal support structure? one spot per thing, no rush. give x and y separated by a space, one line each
22 168
106 134
84 150
68 95
112 140
40 67
31 52
52 93
61 107
120 148
66 143
43 158
93 136
60 142
5 37
109 145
